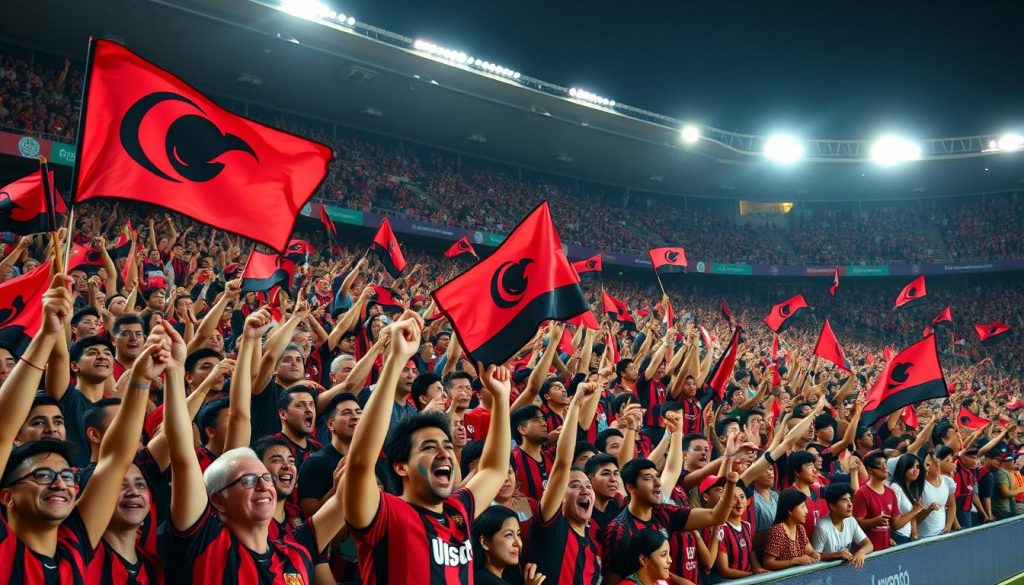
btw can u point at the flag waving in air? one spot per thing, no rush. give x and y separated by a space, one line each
668 260
912 295
719 376
992 333
23 206
726 312
968 419
461 247
328 223
385 245
21 308
148 136
617 311
828 347
943 319
588 268
496 306
785 313
913 375
299 251
265 271
835 282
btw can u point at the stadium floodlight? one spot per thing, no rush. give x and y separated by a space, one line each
891 150
690 134
462 58
593 98
783 148
308 9
1010 142
351 21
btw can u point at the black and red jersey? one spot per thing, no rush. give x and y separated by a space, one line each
110 568
738 545
651 395
966 486
617 535
19 564
552 418
692 416
293 520
682 546
562 555
407 544
205 456
531 474
208 552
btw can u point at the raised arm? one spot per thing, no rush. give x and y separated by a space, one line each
493 467
188 492
275 346
851 429
659 354
540 372
240 402
349 320
674 460
58 369
558 479
209 323
354 381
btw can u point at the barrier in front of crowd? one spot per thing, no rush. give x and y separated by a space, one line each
984 555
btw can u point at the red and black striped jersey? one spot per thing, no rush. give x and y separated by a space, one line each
408 544
562 555
682 546
692 416
110 568
205 456
293 519
208 552
651 395
966 486
738 545
19 564
552 418
617 535
531 474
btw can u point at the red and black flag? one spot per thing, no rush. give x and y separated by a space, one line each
668 316
565 343
528 280
385 245
587 320
912 376
909 417
966 418
23 205
776 377
785 313
21 308
726 312
589 268
912 295
1016 404
328 223
148 136
992 333
461 247
617 311
85 258
943 319
299 251
123 246
835 282
719 376
828 347
389 299
668 260
265 271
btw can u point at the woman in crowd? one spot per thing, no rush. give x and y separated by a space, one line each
787 544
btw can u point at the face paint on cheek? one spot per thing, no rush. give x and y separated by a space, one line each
422 470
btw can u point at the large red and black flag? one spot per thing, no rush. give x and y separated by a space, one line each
670 259
617 311
943 319
148 136
968 419
719 376
23 205
462 246
913 375
385 245
299 251
85 258
265 271
328 223
785 313
528 280
389 299
828 347
835 282
912 295
992 333
589 268
21 308
726 312
123 246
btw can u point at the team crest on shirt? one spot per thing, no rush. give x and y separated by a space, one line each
296 522
457 520
292 579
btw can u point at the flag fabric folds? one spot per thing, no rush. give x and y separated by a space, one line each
265 271
496 306
828 348
617 311
389 299
148 136
835 282
719 376
912 295
912 376
385 245
23 205
459 248
726 312
589 268
968 419
667 260
785 313
21 308
328 223
943 319
586 319
299 251
992 333
909 417
85 258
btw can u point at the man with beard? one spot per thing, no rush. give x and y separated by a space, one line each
297 410
121 559
92 360
561 545
419 451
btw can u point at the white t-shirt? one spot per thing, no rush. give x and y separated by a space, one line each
827 539
934 522
904 505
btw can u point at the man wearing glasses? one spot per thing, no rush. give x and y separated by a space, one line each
51 531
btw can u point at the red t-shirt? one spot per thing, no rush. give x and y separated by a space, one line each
867 503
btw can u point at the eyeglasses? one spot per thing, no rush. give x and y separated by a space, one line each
131 334
45 476
249 480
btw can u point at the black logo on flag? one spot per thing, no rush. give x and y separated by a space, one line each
992 330
508 283
191 142
92 256
592 264
899 374
8 314
784 310
964 420
7 205
912 292
463 245
671 256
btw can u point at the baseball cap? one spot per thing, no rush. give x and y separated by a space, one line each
710 482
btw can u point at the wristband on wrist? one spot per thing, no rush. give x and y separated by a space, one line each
768 457
40 368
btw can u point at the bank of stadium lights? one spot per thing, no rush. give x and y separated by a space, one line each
690 134
891 150
464 59
783 148
315 10
584 95
1007 143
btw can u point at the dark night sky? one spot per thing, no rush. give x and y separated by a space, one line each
824 69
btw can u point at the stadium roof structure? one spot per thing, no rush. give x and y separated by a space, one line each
361 76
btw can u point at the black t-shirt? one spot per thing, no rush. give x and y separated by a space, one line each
73 406
610 512
265 420
482 576
316 476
